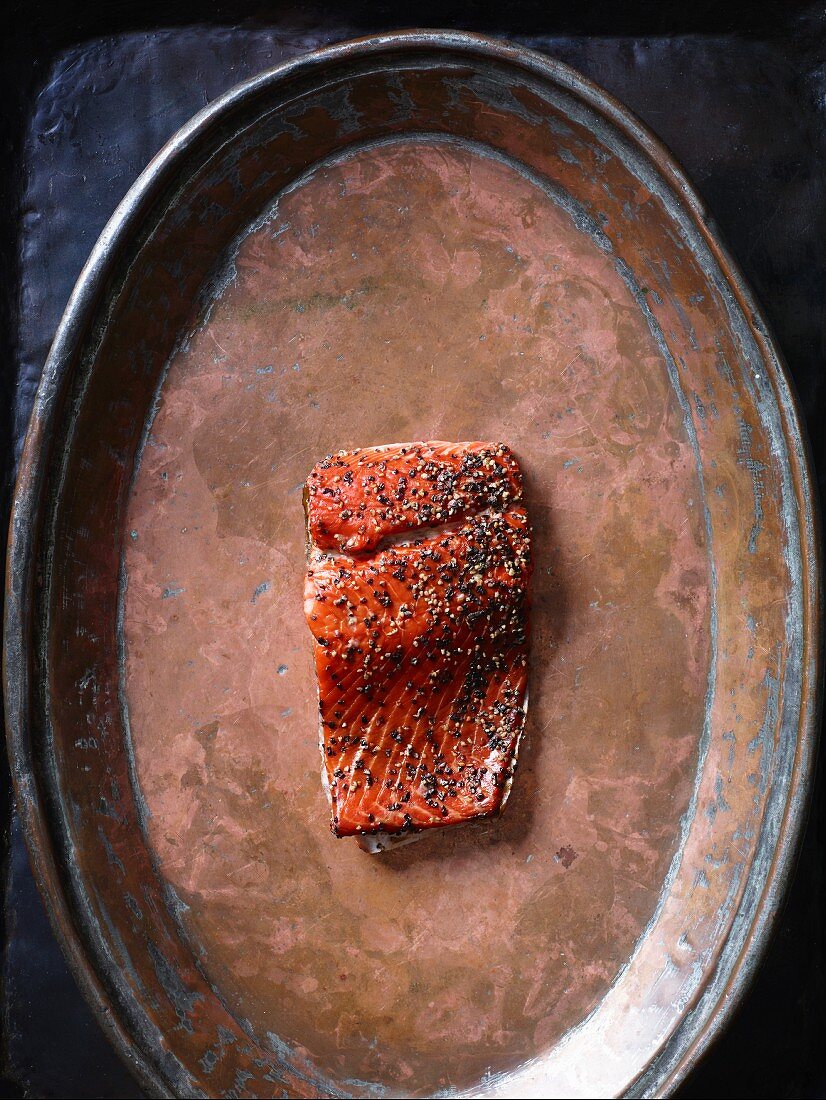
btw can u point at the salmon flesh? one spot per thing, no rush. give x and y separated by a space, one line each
416 594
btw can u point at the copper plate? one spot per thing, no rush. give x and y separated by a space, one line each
422 235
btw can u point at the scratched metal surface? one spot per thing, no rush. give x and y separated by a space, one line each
530 335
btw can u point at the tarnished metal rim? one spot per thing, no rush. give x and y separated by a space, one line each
718 999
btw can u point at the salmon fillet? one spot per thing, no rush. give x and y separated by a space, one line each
416 595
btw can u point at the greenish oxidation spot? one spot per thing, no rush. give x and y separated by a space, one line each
731 738
719 861
296 367
209 1060
183 1000
568 463
764 737
174 903
706 409
170 592
265 370
133 534
750 623
719 805
107 809
260 590
207 734
718 489
133 906
88 681
241 1078
701 879
755 469
112 857
369 1087
286 712
322 301
744 453
282 669
121 952
285 1058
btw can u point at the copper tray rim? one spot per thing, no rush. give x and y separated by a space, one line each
702 1023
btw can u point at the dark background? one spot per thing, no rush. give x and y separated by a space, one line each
89 92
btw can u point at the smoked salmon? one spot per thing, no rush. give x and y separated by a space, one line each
416 594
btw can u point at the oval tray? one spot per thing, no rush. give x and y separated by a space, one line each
422 235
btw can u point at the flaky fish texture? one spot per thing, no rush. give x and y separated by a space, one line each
416 594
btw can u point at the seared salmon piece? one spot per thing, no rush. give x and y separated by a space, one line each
416 595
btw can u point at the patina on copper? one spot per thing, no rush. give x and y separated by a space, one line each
417 236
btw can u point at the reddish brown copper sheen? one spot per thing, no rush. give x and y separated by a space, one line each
220 676
421 647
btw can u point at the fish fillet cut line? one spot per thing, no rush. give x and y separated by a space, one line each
416 594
